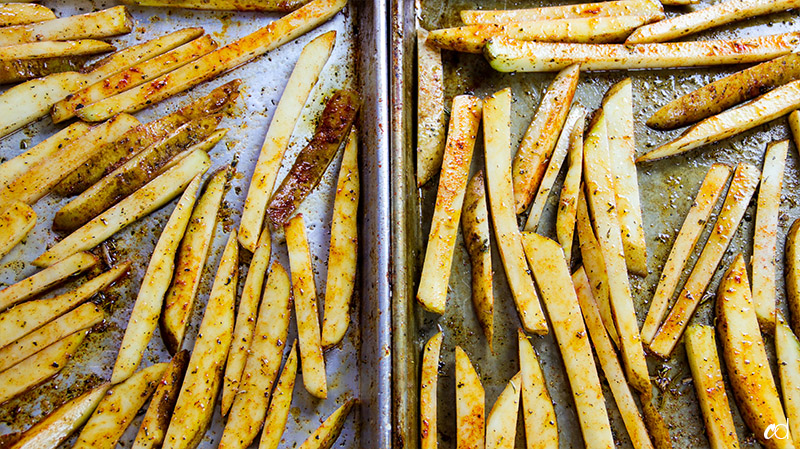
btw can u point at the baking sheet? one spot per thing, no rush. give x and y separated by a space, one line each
360 366
667 189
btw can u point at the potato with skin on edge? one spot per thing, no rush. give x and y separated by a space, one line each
792 273
541 427
156 418
431 115
428 381
566 216
470 407
475 228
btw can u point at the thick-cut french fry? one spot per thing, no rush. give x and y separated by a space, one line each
727 92
701 350
646 8
682 248
35 183
157 278
787 348
195 405
223 59
224 5
263 363
431 116
612 368
618 108
765 239
132 77
16 221
84 316
142 202
541 427
508 55
116 411
550 269
156 419
596 30
794 125
302 80
327 433
743 350
25 318
470 407
475 226
428 381
566 215
497 148
52 49
792 274
540 138
306 309
56 427
24 13
462 132
343 253
773 104
501 424
743 185
602 200
39 367
659 431
279 404
105 23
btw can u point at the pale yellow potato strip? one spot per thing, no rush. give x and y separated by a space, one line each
302 80
53 49
428 381
16 221
24 13
327 433
685 242
462 132
648 8
431 116
280 403
541 427
105 23
470 407
566 214
43 280
501 424
787 349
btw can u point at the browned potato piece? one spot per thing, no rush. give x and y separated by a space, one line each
224 5
793 274
475 226
329 430
156 418
431 116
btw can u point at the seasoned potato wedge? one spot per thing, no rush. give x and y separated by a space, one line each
792 271
566 215
16 221
327 433
105 23
787 348
24 13
19 70
279 404
541 427
475 228
470 407
501 424
431 116
48 50
646 8
224 5
428 381
794 125
156 418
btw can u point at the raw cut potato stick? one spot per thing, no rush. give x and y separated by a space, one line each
618 110
280 403
152 196
792 273
475 228
462 132
52 49
302 80
16 221
794 125
701 350
765 240
224 5
327 433
106 23
428 381
156 418
343 252
540 138
600 185
773 104
787 348
647 8
541 427
552 274
682 248
575 119
431 116
19 70
242 51
304 289
607 356
470 407
743 186
501 424
156 281
566 214
659 431
508 55
497 149
45 279
24 13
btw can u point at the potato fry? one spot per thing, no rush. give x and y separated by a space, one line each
693 225
39 367
600 183
743 186
428 381
794 126
508 55
431 116
263 363
59 425
156 281
195 405
701 350
19 70
475 227
156 418
237 53
302 80
24 13
659 430
470 408
16 221
25 318
139 204
743 350
224 5
501 424
52 49
566 215
343 252
541 427
540 138
281 401
787 348
792 273
497 149
765 239
329 430
646 8
550 269
462 132
105 23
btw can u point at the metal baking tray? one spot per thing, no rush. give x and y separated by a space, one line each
360 367
667 188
